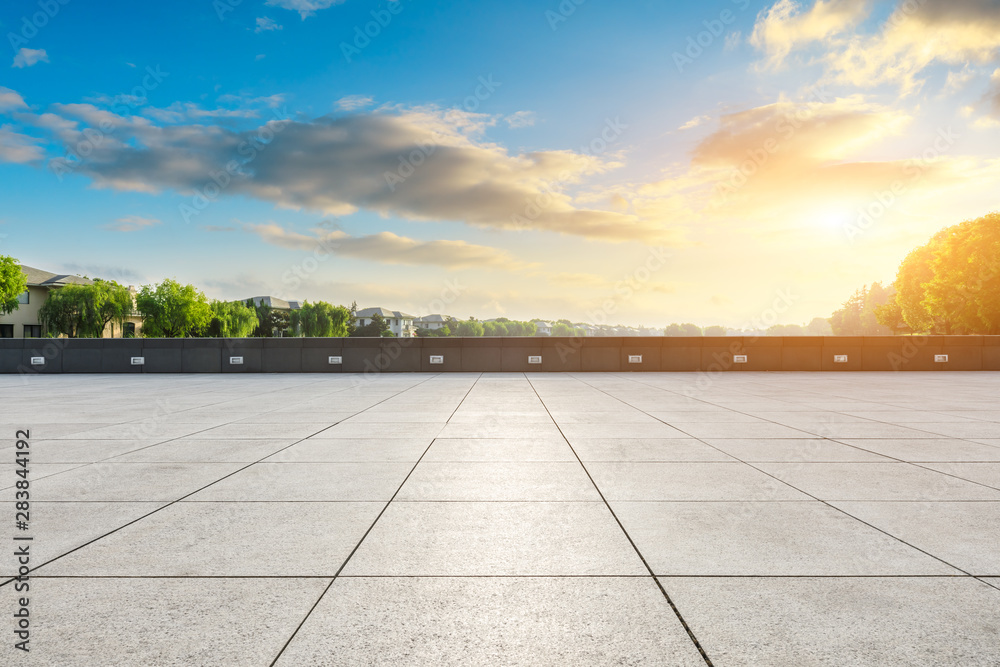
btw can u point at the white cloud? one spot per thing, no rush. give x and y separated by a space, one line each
520 119
131 223
353 102
387 248
10 100
27 57
305 8
18 148
694 122
265 24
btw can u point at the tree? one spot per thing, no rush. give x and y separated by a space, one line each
13 283
891 315
964 291
377 328
469 328
231 319
85 311
857 316
172 310
819 326
914 273
716 330
270 322
686 329
494 329
564 329
321 320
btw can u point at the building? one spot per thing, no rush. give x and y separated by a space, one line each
432 322
400 324
277 306
25 322
544 328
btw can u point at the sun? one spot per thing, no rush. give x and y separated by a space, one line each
833 219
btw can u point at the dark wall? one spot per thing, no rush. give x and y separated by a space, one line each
409 355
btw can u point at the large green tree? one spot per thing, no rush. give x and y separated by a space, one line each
13 283
172 310
321 320
964 291
231 319
85 311
468 328
911 279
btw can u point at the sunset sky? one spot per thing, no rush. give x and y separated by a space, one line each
638 162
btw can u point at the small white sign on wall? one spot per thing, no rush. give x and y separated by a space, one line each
739 358
38 361
138 361
534 359
235 361
940 358
635 358
437 358
840 358
336 361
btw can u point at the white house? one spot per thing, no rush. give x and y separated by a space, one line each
400 324
432 322
544 328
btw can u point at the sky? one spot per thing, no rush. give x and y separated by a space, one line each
644 162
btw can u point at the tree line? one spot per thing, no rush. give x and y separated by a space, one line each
950 285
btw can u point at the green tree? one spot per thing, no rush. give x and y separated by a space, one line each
172 310
715 330
469 328
231 319
911 279
857 316
270 321
85 311
494 329
564 329
964 291
13 284
321 320
377 328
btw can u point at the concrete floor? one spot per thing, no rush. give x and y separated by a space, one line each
466 519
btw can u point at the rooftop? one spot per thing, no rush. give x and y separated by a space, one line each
384 312
585 519
40 278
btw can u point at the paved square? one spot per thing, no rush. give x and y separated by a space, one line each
518 519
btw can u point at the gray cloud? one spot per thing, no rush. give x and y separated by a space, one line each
423 164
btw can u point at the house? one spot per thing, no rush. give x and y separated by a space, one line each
25 322
544 328
274 303
432 322
400 324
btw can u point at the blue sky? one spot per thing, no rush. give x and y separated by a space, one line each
589 161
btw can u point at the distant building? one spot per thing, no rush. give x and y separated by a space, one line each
274 303
25 322
399 323
432 322
544 328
